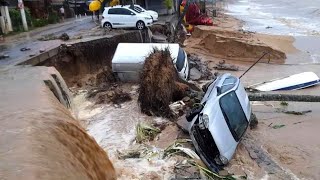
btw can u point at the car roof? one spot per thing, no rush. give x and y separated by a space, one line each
135 52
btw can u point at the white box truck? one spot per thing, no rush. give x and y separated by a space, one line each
128 60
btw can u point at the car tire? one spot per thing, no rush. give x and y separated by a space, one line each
140 25
107 26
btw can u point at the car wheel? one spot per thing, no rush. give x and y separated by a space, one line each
140 25
107 26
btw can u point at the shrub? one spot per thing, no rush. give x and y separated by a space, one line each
53 18
39 22
168 4
16 19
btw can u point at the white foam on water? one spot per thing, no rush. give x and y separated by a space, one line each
285 17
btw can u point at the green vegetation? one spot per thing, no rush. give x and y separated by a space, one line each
15 15
168 4
16 19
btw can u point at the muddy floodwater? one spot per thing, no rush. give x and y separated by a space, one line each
114 129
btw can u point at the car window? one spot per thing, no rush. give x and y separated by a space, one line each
139 8
228 84
180 59
234 115
125 12
120 11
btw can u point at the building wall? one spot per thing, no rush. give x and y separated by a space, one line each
157 5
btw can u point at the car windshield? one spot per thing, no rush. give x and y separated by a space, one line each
180 59
139 8
234 115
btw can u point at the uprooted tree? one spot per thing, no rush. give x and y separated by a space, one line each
160 85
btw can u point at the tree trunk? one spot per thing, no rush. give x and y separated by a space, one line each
282 97
178 27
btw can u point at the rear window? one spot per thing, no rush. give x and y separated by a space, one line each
234 115
228 84
180 59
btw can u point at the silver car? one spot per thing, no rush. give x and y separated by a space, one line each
218 124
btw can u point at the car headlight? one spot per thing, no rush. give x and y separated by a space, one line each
205 120
147 18
223 159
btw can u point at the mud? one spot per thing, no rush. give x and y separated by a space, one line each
89 63
237 45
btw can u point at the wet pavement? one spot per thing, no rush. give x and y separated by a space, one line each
12 44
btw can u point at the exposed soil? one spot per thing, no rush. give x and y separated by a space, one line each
89 63
239 45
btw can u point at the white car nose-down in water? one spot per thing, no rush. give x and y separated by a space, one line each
218 125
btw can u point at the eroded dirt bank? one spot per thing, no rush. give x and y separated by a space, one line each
234 44
89 63
40 137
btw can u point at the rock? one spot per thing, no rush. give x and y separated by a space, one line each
151 176
110 94
186 99
252 154
31 55
159 38
42 50
195 74
223 173
183 124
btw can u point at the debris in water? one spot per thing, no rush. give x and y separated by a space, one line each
106 95
284 103
296 112
3 56
64 37
131 153
177 107
146 132
278 126
25 49
254 121
209 174
160 85
223 66
201 66
48 37
177 147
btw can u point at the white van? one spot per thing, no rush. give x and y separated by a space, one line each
129 58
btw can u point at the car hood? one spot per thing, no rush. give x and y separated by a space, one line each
152 13
220 130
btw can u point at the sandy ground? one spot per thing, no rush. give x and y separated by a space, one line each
286 153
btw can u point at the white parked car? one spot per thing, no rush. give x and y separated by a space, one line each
129 58
140 9
220 121
124 17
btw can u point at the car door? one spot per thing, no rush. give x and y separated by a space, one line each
114 17
129 17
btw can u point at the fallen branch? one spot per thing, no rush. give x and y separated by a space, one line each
282 97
